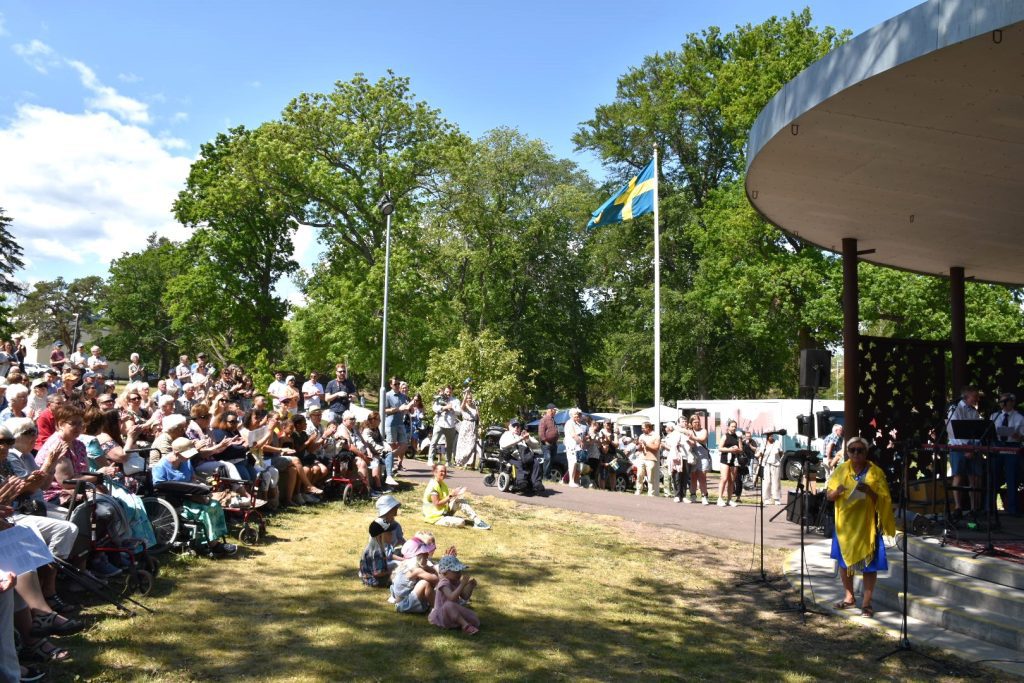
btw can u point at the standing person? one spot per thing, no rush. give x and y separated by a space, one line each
575 445
1006 466
967 467
547 434
97 362
396 408
136 370
593 450
748 451
649 444
729 457
608 445
863 509
446 420
78 357
770 455
675 456
466 448
183 371
7 358
832 448
417 411
278 390
20 352
341 391
57 357
313 391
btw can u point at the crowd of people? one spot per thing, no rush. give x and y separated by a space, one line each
275 447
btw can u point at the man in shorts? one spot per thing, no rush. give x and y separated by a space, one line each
396 408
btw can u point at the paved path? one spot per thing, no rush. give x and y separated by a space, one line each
735 524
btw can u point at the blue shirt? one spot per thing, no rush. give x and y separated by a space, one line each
393 399
165 471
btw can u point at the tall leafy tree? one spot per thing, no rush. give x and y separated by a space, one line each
135 318
722 333
51 308
10 262
240 248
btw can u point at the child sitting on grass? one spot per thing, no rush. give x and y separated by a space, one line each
454 586
413 581
376 563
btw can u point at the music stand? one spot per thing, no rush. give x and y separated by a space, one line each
982 431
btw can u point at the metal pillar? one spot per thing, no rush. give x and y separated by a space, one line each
958 329
851 339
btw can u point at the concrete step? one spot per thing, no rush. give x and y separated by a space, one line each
928 580
961 561
966 619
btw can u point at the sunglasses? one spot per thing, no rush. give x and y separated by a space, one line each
134 398
857 449
6 442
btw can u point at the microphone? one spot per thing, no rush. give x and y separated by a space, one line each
777 432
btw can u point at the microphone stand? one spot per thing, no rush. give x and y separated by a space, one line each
801 607
762 577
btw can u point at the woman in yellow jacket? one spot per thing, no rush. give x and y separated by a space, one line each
863 514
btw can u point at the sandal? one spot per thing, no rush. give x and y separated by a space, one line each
842 604
47 625
866 611
470 630
44 651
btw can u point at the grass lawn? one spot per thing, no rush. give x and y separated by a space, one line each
562 596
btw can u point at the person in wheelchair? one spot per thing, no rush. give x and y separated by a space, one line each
523 452
175 468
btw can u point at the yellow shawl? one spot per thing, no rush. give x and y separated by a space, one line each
856 525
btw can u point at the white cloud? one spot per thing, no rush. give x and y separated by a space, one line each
3 26
129 77
107 98
38 55
179 117
84 188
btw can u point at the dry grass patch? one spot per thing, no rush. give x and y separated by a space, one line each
562 596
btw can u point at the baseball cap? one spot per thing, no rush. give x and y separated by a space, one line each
186 448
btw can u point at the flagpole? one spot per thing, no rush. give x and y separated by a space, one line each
657 301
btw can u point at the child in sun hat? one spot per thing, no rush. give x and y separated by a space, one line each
376 563
454 585
413 581
387 510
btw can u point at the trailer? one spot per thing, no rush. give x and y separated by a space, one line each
762 416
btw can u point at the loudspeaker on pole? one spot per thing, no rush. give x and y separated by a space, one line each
815 368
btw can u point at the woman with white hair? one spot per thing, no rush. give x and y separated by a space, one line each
136 370
17 402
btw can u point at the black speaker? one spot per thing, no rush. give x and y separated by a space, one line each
825 421
805 426
815 368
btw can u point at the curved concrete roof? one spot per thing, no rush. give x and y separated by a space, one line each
909 138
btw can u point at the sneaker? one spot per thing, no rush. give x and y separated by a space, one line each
679 500
636 493
777 502
391 600
376 494
573 485
721 503
224 549
311 499
391 481
690 500
101 567
481 524
733 503
704 500
58 604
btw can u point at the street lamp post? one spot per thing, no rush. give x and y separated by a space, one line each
387 207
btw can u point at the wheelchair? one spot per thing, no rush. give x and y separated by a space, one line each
142 568
252 526
506 471
343 482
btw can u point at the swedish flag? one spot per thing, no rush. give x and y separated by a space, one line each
634 199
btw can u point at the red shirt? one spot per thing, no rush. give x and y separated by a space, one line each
46 426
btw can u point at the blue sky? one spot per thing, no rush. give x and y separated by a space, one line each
103 105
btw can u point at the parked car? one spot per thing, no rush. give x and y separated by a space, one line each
34 370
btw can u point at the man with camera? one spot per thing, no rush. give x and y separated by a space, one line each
446 420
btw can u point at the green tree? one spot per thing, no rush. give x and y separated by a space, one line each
240 248
738 297
495 369
135 318
9 264
51 308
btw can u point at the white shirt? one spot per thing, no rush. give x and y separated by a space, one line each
772 453
1014 421
963 411
313 392
446 419
510 438
277 391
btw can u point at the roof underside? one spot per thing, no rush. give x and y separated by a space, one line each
910 139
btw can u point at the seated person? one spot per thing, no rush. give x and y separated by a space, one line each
376 563
440 504
414 579
387 510
521 447
175 467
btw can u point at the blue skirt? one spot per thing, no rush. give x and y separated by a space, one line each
877 564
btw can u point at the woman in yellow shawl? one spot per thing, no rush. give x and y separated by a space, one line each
863 513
